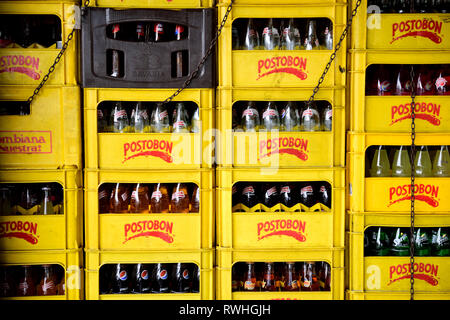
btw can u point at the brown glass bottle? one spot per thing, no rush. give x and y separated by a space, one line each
268 283
180 199
140 202
290 277
104 196
26 285
119 199
47 285
249 277
195 200
160 199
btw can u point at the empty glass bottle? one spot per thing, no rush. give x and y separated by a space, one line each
119 118
251 37
290 38
250 117
290 118
310 120
139 119
271 38
46 205
180 119
270 118
311 41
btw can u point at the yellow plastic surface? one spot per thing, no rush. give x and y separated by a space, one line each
280 2
70 260
242 230
25 66
399 31
153 4
358 295
298 149
203 258
226 258
391 113
52 232
297 68
122 232
392 193
123 151
49 137
390 274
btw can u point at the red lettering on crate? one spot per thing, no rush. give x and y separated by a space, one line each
152 147
25 142
427 28
149 228
286 145
25 230
427 272
285 64
423 110
282 227
27 65
426 193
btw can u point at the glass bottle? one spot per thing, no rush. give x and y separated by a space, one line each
119 199
140 202
441 163
290 118
250 118
160 198
401 166
422 163
139 119
180 121
46 206
119 118
160 122
380 163
251 37
249 277
180 199
270 119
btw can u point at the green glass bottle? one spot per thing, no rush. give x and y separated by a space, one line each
422 242
401 166
380 163
400 242
440 242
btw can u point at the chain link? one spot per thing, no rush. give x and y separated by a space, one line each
413 177
336 49
196 72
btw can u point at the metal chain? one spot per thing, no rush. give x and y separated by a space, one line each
195 73
336 49
413 177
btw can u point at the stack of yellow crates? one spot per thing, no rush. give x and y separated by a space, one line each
379 266
148 158
296 235
40 153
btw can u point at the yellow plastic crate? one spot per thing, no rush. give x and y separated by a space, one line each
187 231
383 275
316 229
70 260
297 68
115 151
298 149
51 232
282 2
49 137
227 257
28 66
153 4
395 31
373 194
356 295
204 259
390 113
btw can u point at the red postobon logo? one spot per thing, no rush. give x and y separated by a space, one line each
426 28
287 145
427 272
282 227
25 230
27 65
425 111
426 193
144 148
150 228
285 64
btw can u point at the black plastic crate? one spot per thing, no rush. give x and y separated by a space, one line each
144 62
